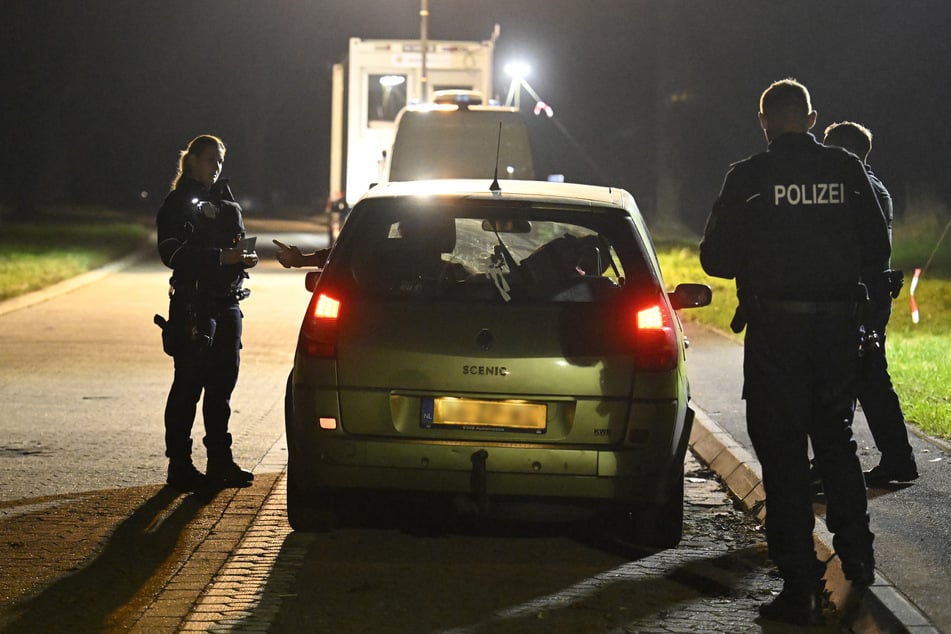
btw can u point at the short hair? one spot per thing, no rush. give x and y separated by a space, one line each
785 97
854 137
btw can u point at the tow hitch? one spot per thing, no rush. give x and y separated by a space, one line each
478 480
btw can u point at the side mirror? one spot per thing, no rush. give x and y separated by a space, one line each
310 280
691 296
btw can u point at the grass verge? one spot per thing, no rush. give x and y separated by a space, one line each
62 242
918 354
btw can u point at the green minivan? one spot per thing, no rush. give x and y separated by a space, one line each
493 340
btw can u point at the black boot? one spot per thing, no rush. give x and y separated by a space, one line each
797 606
225 473
222 470
886 473
183 475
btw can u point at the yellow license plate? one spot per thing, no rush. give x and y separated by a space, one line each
468 413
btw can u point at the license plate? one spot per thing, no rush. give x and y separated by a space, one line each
478 414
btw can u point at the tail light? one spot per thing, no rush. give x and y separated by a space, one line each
655 339
318 333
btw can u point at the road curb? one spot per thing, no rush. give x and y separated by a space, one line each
883 608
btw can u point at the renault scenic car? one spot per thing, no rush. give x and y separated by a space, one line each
512 341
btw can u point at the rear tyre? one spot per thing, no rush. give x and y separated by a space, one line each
660 526
307 511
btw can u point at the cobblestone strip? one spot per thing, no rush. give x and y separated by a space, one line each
191 600
232 601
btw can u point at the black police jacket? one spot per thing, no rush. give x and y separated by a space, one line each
884 199
799 221
193 226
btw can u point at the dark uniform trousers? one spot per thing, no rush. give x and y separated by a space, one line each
213 370
800 379
877 395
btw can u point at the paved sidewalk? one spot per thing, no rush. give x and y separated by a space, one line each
227 573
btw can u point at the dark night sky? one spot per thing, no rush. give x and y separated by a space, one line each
99 96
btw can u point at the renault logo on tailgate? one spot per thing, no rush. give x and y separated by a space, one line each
484 339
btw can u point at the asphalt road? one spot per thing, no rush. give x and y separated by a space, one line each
83 380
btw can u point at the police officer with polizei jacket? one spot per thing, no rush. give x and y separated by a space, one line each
200 230
798 227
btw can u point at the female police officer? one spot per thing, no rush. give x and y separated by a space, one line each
199 230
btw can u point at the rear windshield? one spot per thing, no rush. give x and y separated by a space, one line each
475 251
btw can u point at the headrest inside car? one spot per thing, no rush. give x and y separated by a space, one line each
430 232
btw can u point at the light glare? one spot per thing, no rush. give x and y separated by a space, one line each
326 308
389 81
517 70
650 319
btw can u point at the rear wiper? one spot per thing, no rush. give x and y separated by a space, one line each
501 248
497 275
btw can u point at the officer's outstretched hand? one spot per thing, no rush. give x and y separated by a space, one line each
247 259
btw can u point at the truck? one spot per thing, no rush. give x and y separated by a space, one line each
371 87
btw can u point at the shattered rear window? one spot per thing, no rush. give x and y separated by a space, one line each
490 252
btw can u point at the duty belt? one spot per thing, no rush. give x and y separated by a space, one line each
809 308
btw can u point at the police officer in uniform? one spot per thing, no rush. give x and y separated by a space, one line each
797 226
877 395
199 228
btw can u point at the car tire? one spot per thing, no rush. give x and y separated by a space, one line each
307 511
653 526
662 525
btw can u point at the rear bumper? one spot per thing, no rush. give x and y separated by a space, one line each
633 476
610 472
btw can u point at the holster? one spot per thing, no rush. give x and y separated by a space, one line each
168 335
739 321
747 308
896 279
188 327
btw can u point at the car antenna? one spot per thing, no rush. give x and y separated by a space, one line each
495 187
